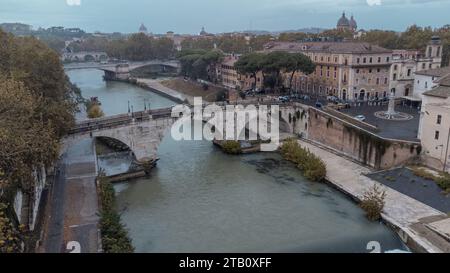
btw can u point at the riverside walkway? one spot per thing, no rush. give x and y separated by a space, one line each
409 217
72 224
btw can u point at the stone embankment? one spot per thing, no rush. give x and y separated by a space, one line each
410 218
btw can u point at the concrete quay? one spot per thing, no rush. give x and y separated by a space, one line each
410 218
157 87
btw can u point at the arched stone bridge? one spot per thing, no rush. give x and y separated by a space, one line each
143 131
122 71
84 56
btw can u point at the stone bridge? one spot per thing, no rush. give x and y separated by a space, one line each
84 56
122 71
143 131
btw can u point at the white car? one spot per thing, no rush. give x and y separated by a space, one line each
360 118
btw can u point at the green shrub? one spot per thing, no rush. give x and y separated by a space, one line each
312 166
114 235
232 147
442 180
95 111
373 203
9 236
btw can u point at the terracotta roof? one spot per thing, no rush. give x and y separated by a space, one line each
445 81
333 47
440 91
437 72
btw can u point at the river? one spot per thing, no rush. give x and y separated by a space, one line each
199 199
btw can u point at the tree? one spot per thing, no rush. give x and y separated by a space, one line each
298 62
250 64
95 111
195 62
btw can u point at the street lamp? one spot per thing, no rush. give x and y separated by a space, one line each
128 107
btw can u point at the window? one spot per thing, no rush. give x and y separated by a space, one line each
387 59
438 53
378 81
364 60
357 71
378 70
370 71
429 66
370 60
394 76
409 72
423 66
379 59
426 84
357 60
439 119
436 135
395 67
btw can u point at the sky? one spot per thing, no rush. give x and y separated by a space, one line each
189 16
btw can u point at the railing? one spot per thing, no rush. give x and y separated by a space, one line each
141 116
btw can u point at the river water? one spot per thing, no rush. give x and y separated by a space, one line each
199 199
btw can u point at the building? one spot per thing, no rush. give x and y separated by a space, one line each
426 80
351 71
345 24
227 74
434 128
405 65
143 29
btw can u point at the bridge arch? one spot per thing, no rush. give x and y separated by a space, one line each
89 58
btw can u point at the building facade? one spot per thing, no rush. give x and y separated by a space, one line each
351 71
426 80
407 63
434 128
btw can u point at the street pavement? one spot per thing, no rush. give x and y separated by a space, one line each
72 223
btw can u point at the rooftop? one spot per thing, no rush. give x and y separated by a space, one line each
440 92
437 72
333 47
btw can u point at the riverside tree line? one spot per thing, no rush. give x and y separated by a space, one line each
199 64
37 104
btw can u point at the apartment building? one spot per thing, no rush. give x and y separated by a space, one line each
405 65
352 71
434 128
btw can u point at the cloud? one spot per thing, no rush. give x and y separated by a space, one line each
374 2
73 2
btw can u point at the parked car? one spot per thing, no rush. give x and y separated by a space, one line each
332 98
283 98
305 97
319 104
360 118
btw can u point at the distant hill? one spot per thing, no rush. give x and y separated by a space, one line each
311 30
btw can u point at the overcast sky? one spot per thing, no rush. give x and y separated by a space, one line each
188 16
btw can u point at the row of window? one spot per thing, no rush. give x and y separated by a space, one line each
370 60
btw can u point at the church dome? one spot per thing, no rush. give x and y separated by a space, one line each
343 21
143 29
353 23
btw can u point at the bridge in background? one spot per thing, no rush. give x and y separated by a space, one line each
122 71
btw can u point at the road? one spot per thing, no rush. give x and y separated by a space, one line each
73 214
